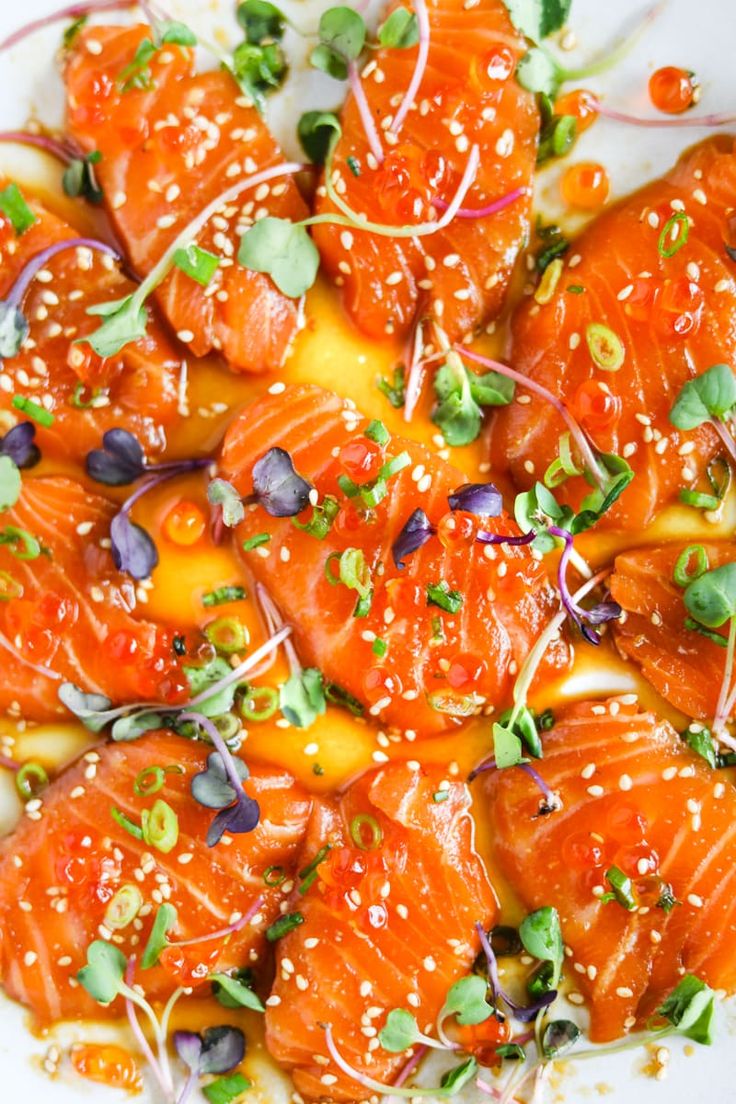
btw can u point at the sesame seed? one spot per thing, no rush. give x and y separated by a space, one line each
624 992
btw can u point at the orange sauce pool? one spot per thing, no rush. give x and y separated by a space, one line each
331 353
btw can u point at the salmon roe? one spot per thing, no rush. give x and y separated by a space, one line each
185 523
107 1064
673 90
481 1039
457 529
361 459
493 68
585 185
582 105
595 407
408 180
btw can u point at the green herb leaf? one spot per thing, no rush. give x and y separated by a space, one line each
622 889
137 75
455 1079
400 31
10 483
461 393
125 322
317 132
711 598
399 1032
199 264
261 19
341 39
259 69
15 208
166 920
394 389
701 742
226 1090
558 1037
710 395
302 698
690 1009
466 1000
538 72
506 747
284 250
240 994
541 935
536 19
103 975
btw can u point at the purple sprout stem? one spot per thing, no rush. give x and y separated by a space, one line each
74 11
243 668
275 621
420 10
214 734
9 764
635 120
62 149
160 473
366 118
163 1076
37 262
490 208
524 381
725 436
503 538
45 671
231 929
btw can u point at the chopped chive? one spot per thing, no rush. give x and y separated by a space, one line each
354 165
674 234
622 889
318 770
223 594
274 875
308 875
379 647
256 541
365 832
439 594
14 207
376 431
197 263
149 781
440 795
125 822
30 780
35 412
347 486
575 289
283 925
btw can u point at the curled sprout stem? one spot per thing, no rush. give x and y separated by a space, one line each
420 10
608 59
220 745
490 209
724 698
366 118
36 263
45 671
62 149
223 933
368 1082
74 11
577 433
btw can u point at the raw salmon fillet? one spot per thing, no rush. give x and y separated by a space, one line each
468 95
507 598
683 665
675 316
388 927
69 613
168 150
136 390
60 869
634 796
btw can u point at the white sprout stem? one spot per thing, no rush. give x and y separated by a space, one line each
635 120
189 234
145 1048
357 221
368 1082
242 669
275 622
169 1008
420 10
722 712
415 375
725 436
609 58
532 661
580 564
369 126
524 381
135 998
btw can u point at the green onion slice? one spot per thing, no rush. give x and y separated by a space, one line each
605 347
123 908
690 565
674 234
366 832
30 779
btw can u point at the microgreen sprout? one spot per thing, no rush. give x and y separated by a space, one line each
461 395
217 1050
708 399
710 599
220 786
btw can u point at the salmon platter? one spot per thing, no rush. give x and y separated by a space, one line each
367 551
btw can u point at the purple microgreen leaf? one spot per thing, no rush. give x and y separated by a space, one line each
277 487
237 819
133 550
120 460
483 499
223 494
524 1013
417 530
18 444
223 1048
604 611
211 787
188 1045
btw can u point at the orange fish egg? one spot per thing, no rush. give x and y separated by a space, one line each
108 1065
673 90
185 523
585 185
582 105
595 406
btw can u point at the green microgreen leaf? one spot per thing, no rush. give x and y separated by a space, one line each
10 483
455 1079
103 975
466 1000
506 747
201 678
260 20
536 19
241 995
341 40
79 178
538 72
711 598
302 697
166 920
690 1009
125 321
400 31
541 935
710 395
700 740
14 329
317 131
15 208
283 250
399 1032
395 388
259 69
559 1036
226 1090
223 494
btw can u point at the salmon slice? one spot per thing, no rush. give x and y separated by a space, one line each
70 614
66 861
137 389
168 150
684 666
633 796
468 95
388 927
438 667
674 316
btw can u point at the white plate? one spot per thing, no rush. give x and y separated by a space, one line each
697 36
